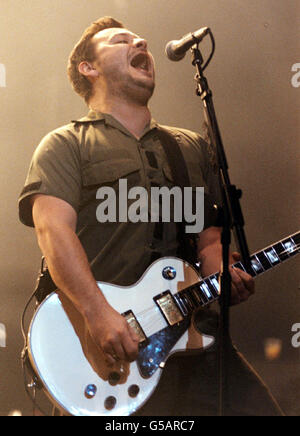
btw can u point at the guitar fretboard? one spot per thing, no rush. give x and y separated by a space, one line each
207 290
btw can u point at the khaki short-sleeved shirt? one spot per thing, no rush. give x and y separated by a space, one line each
74 161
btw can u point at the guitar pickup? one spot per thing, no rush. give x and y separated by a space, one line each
135 325
168 308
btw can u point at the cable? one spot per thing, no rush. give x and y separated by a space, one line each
212 52
26 366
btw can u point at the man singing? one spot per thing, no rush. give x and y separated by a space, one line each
112 69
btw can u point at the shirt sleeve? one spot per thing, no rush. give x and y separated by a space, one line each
55 170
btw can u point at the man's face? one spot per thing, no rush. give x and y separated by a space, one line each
124 63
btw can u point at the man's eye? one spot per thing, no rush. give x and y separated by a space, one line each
122 41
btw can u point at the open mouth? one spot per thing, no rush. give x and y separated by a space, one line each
141 62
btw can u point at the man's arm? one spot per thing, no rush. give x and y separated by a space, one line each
210 256
55 222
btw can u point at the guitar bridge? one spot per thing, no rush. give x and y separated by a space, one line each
135 325
168 308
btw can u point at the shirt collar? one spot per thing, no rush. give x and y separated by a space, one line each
94 116
90 117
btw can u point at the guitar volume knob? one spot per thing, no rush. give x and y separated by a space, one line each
133 391
169 273
110 403
90 391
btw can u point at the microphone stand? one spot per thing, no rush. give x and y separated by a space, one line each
232 219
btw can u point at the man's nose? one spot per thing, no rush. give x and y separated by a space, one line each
141 43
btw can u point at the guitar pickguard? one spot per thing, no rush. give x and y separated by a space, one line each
159 347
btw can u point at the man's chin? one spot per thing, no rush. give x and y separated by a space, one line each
144 81
142 91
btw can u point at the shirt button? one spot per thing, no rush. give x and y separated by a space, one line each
152 245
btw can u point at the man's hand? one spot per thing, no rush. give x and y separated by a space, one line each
242 286
112 334
210 256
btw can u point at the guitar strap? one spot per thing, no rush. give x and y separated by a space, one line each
187 242
44 283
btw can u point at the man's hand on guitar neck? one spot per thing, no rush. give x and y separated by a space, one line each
210 256
242 283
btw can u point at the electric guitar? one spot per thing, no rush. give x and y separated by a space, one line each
158 307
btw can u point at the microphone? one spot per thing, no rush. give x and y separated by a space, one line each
175 50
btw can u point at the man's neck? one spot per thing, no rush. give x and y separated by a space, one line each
132 116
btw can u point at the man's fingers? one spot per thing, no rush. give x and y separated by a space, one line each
235 297
236 256
122 349
242 286
110 360
119 353
246 279
131 345
133 334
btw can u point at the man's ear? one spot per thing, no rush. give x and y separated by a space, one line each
87 70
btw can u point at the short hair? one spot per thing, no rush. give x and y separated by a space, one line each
84 51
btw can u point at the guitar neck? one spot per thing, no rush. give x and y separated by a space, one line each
208 289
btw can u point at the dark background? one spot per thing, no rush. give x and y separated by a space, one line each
258 111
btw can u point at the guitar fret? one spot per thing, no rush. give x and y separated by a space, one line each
196 295
272 256
296 239
256 265
261 256
280 250
211 288
191 299
290 247
206 295
240 266
198 292
250 270
180 304
215 282
188 306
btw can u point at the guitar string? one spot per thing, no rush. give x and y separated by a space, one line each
289 251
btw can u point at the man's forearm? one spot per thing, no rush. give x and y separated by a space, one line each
69 267
210 251
55 222
210 259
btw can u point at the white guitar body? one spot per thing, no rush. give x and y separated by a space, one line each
159 307
74 373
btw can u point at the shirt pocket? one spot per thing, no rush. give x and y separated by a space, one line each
110 171
102 175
